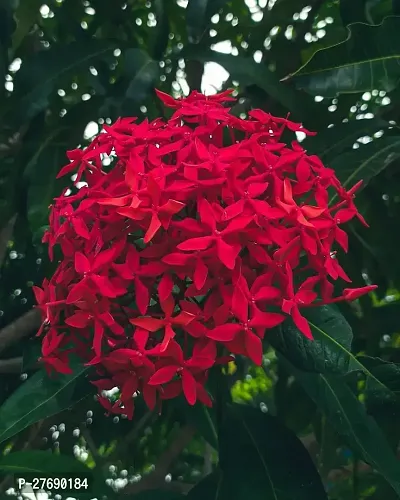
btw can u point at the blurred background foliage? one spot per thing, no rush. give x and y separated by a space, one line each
69 66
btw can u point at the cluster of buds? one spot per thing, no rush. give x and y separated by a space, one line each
196 236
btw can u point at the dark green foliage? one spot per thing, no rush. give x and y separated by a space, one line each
319 420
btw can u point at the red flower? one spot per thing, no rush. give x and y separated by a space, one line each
201 360
131 272
93 276
160 214
243 333
303 297
53 360
167 323
186 244
226 252
97 316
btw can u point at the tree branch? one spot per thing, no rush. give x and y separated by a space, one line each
5 236
157 478
12 365
20 328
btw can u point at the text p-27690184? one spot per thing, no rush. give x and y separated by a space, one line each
53 482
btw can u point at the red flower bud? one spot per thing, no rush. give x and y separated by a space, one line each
350 294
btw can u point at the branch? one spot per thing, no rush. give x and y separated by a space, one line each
20 328
157 478
12 365
5 236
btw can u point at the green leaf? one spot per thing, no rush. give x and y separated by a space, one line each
368 59
330 442
260 458
41 462
379 9
342 408
353 11
340 138
329 352
330 349
388 373
158 495
248 72
365 162
335 34
40 397
201 417
386 413
39 74
208 488
296 409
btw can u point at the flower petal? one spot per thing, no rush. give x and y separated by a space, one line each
163 375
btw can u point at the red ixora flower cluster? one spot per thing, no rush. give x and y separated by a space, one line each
196 236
